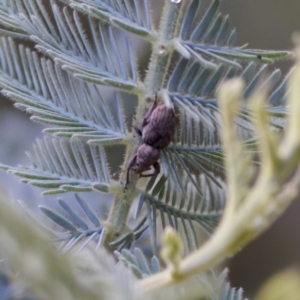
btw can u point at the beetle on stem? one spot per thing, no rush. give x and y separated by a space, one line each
157 131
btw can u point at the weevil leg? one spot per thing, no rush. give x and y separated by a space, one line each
130 165
150 111
155 172
135 127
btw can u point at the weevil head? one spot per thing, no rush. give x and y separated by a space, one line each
146 157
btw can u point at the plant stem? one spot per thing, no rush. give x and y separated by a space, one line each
158 67
236 229
250 208
162 52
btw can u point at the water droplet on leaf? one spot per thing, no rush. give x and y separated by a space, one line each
176 1
161 49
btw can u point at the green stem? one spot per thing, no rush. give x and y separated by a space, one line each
169 20
162 52
158 69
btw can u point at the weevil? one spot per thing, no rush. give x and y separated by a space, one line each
157 131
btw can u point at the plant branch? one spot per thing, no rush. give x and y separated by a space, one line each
251 208
159 64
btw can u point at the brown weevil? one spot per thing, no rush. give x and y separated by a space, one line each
157 131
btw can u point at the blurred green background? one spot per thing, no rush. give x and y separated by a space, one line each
264 24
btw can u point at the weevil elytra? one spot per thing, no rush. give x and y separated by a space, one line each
157 131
